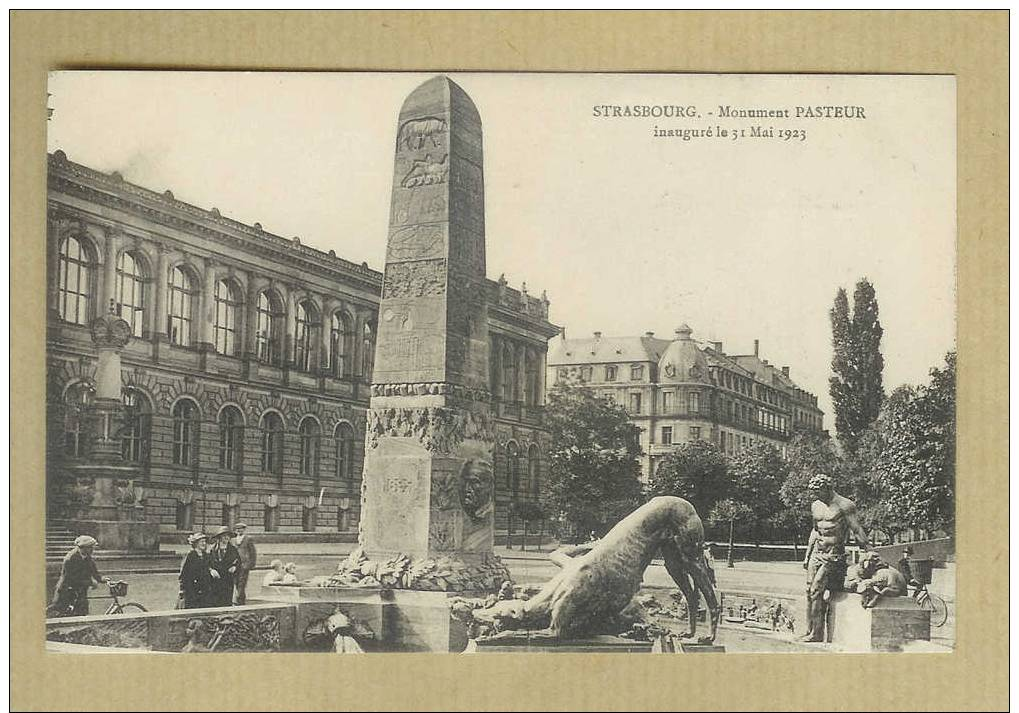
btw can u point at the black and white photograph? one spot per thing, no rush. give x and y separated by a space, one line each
491 363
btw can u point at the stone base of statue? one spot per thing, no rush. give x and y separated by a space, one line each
892 624
102 501
401 620
523 642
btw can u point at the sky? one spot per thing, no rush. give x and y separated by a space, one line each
742 239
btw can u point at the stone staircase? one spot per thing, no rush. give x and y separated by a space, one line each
59 541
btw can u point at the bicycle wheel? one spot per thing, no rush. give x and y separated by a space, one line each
938 609
132 608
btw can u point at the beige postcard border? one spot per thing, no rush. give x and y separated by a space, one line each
971 45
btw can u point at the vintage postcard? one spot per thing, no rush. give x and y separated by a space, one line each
483 363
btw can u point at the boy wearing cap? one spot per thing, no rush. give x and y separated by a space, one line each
246 550
78 574
195 574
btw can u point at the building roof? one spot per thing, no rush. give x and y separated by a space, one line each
601 350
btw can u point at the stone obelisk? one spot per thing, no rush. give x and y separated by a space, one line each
428 490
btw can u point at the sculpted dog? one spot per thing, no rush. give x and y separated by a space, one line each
598 581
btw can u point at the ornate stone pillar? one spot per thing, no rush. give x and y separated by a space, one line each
289 325
519 354
110 245
324 335
160 279
207 305
251 318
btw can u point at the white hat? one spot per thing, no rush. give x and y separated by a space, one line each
85 541
192 539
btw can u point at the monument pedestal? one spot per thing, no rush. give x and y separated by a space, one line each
890 624
524 643
401 620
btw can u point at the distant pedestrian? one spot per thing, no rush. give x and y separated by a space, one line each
78 574
246 550
225 561
196 574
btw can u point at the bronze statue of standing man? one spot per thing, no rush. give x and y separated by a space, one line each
834 517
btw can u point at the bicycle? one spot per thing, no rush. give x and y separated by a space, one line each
119 589
931 602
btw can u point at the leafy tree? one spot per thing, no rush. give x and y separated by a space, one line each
855 385
756 474
728 512
696 471
593 478
917 463
808 453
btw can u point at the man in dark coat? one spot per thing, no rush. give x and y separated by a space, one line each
246 550
78 574
225 561
196 575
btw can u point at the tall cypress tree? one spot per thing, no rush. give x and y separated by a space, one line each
867 334
843 378
856 386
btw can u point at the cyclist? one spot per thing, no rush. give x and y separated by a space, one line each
78 574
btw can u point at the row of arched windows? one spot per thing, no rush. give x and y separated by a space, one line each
508 377
76 284
136 431
519 465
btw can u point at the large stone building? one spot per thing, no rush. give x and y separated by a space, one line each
246 374
678 390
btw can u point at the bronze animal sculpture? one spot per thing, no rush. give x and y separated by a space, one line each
598 581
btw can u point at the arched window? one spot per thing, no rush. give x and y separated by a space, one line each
231 438
310 434
131 279
267 334
344 435
533 472
185 432
181 314
134 444
74 282
513 467
339 344
306 326
509 374
228 305
272 443
77 401
367 351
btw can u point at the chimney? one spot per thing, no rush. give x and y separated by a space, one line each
757 347
717 346
785 370
649 334
597 335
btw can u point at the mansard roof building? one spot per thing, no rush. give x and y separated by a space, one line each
680 390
